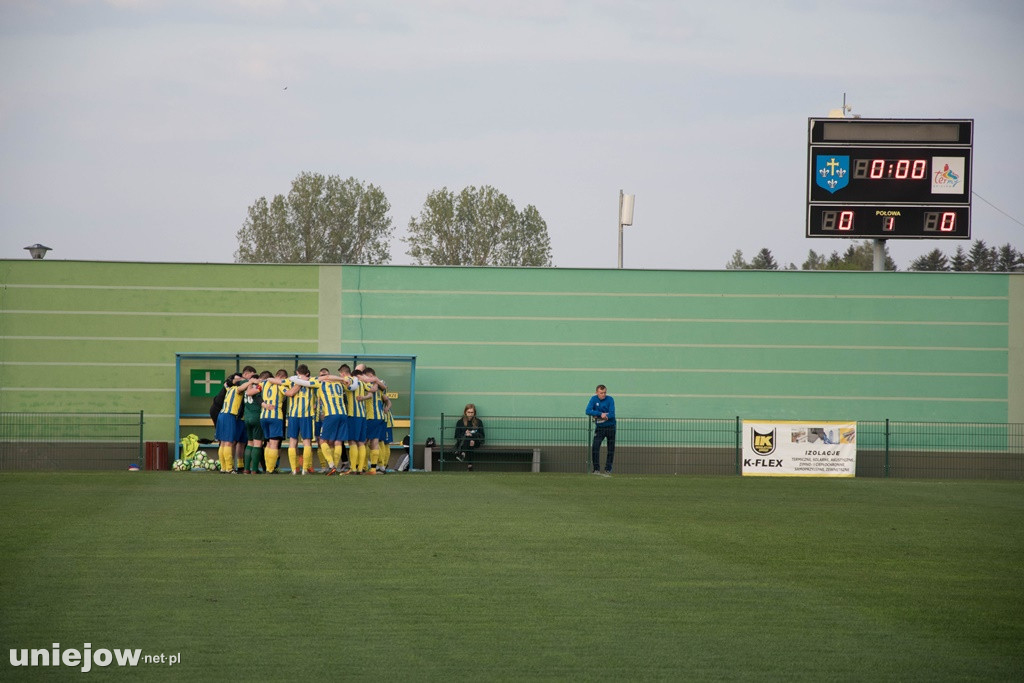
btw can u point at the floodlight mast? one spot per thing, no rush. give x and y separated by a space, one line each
625 217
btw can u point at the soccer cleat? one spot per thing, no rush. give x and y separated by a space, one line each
331 471
371 471
597 472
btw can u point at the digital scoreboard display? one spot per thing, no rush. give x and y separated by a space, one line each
889 178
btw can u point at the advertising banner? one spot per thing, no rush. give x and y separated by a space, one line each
799 449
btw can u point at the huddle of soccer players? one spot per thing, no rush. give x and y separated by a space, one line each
352 407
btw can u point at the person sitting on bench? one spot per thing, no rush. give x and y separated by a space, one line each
469 434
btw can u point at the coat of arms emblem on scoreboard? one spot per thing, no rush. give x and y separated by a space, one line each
833 171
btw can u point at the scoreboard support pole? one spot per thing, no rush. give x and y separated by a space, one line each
878 255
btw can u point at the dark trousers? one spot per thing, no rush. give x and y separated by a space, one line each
600 434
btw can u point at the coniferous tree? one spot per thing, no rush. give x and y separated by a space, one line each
764 261
934 260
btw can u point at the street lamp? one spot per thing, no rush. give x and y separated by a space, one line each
38 251
625 216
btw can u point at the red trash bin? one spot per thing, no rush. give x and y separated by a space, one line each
157 455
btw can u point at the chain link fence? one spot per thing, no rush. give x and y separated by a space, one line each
70 441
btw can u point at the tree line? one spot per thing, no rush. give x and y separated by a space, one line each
860 256
325 219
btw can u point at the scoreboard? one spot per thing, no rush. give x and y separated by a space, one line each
889 178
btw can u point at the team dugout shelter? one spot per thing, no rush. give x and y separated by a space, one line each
199 377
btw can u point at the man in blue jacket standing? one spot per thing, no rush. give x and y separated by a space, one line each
602 410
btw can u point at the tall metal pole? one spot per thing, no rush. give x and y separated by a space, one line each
619 220
878 255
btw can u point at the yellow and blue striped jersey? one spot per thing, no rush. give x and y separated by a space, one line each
354 407
332 398
303 402
273 395
232 401
375 406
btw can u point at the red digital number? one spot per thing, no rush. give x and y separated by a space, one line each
919 169
948 222
877 168
845 220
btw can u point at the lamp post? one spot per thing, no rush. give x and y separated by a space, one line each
37 251
625 217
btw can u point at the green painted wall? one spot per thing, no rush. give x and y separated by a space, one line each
93 336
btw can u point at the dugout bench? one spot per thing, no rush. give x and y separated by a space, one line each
485 455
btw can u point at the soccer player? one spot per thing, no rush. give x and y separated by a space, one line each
389 435
248 372
375 422
334 432
318 423
355 405
252 407
301 397
227 431
272 418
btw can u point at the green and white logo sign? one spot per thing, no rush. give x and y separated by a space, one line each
205 382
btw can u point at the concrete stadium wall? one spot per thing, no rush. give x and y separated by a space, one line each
98 336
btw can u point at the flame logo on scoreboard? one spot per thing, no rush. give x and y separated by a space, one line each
832 171
763 443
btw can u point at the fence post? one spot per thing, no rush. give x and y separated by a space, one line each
142 422
440 447
588 443
739 444
886 448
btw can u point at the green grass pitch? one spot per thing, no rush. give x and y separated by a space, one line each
515 576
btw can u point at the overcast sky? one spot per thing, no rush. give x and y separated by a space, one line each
143 129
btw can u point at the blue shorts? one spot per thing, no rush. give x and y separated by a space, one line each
318 427
356 429
273 428
335 428
300 428
240 431
376 429
227 429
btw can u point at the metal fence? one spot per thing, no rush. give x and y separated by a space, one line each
66 441
885 448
